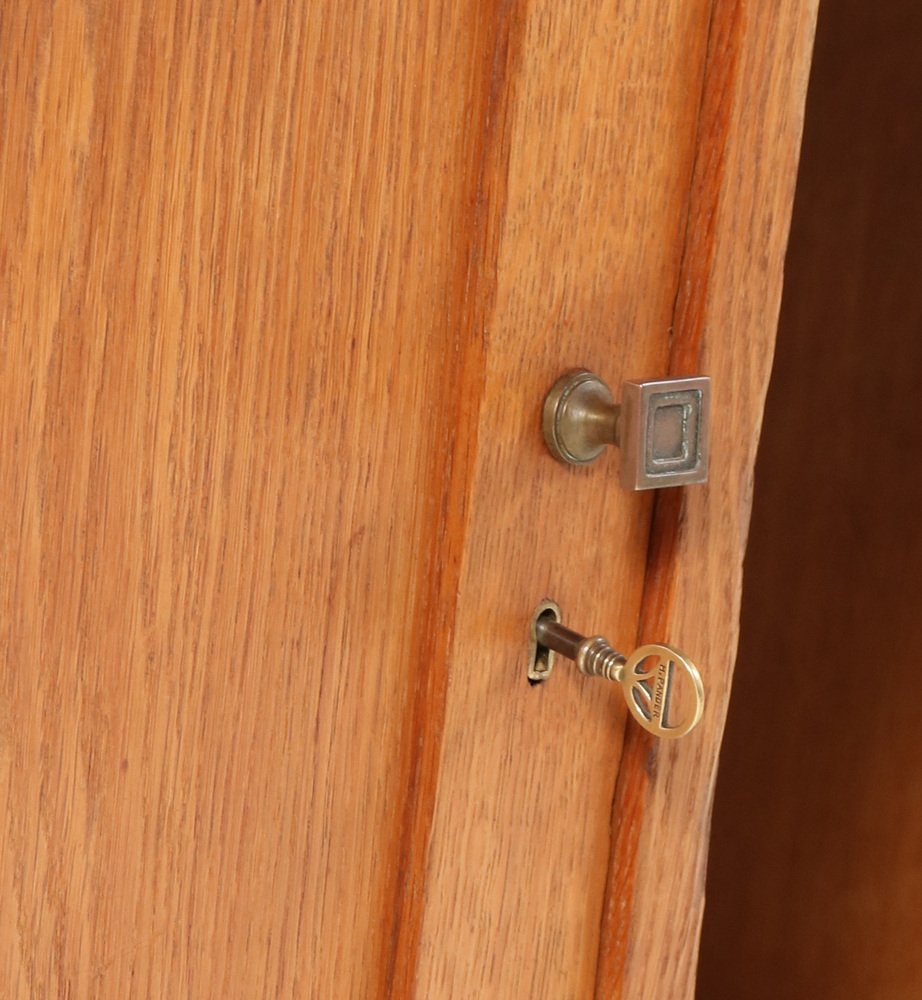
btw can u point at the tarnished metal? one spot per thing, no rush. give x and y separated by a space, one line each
580 418
649 678
541 657
661 427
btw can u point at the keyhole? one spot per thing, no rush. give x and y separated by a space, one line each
541 658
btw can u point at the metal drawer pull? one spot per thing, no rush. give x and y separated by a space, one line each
649 690
660 426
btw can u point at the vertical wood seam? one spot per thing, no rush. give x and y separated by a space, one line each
637 765
458 416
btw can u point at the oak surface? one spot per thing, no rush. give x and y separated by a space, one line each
283 287
588 206
236 249
726 315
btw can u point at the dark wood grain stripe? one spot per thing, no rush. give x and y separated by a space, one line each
481 209
639 756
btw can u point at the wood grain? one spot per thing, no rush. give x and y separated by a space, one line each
817 796
283 288
726 313
237 246
589 203
725 31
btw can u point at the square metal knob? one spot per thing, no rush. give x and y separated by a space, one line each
664 432
661 427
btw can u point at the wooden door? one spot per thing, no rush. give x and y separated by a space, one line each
283 287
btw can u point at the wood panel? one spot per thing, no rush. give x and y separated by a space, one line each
726 313
283 288
534 806
587 206
236 248
816 871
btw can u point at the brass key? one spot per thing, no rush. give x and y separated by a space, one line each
649 690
